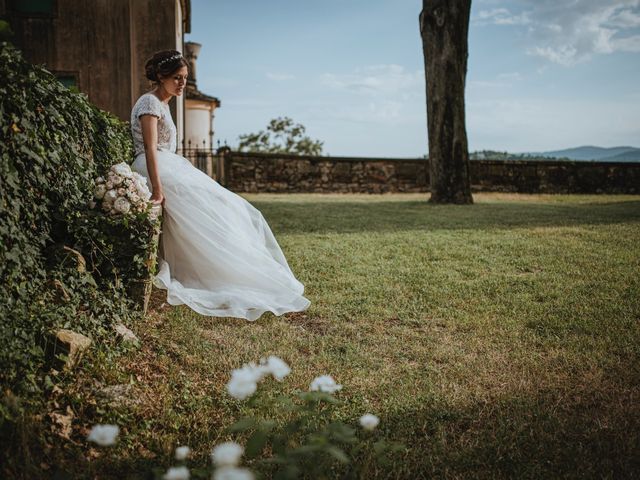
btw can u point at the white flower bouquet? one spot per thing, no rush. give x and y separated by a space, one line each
123 191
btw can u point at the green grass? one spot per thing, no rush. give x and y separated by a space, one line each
495 340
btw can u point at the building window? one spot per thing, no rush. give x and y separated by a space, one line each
33 7
68 79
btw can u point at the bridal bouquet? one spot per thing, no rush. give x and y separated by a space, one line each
123 191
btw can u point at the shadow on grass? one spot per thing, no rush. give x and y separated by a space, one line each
569 433
386 216
580 434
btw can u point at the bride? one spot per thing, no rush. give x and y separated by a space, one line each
217 253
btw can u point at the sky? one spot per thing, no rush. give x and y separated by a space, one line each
542 74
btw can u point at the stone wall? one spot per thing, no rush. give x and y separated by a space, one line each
261 172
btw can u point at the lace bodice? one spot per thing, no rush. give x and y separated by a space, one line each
149 104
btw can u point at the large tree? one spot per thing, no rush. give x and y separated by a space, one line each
444 27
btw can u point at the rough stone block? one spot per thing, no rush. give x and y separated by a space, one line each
70 343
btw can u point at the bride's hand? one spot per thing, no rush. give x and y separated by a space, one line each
157 198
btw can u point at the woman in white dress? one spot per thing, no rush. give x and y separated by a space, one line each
217 253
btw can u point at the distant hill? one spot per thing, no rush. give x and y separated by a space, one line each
590 153
582 154
629 156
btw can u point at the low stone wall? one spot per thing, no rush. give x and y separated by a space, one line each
262 172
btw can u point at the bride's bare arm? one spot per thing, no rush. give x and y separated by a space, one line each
149 125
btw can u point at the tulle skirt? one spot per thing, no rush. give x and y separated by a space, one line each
217 253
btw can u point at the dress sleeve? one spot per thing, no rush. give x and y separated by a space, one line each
149 105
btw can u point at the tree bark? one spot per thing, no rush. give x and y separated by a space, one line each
444 28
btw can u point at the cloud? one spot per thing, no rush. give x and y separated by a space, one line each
627 44
500 16
280 77
538 124
625 18
374 94
510 77
502 80
377 80
568 33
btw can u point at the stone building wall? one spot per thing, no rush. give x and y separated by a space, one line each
261 172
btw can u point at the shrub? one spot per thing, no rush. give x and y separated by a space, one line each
61 264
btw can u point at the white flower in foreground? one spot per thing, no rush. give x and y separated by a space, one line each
232 473
244 381
99 180
121 205
227 454
369 421
276 367
324 383
122 169
182 453
104 435
177 473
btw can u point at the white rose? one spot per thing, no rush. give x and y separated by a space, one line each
232 473
104 435
177 473
227 454
121 191
106 206
369 422
99 191
277 367
138 177
109 184
121 205
116 179
241 389
131 187
182 453
135 198
154 213
141 188
324 383
121 169
110 196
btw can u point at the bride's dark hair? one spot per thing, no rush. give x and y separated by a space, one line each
164 63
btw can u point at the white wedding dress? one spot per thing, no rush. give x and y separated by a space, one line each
217 253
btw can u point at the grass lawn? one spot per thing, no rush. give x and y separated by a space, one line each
500 339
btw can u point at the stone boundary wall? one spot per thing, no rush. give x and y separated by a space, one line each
265 172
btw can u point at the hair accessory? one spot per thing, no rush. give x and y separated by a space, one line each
174 57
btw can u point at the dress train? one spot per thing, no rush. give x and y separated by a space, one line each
217 253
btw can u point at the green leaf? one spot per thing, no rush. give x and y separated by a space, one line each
243 424
337 453
256 443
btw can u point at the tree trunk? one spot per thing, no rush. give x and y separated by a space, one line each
444 27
